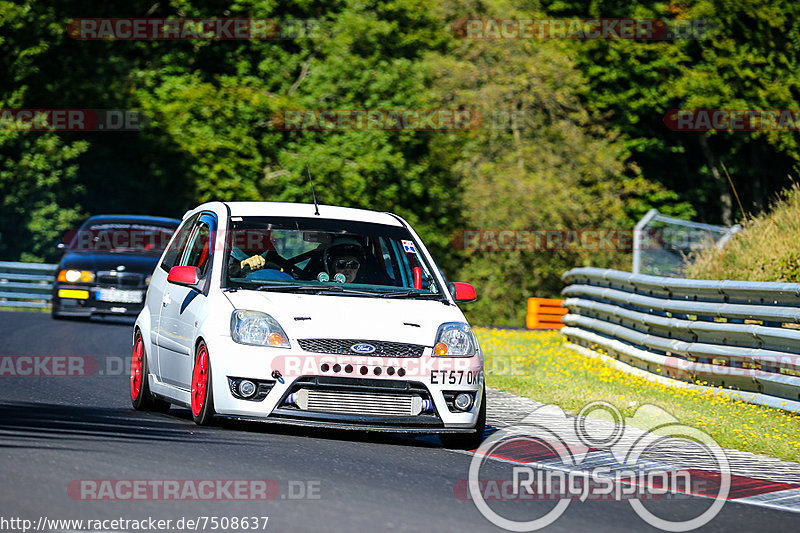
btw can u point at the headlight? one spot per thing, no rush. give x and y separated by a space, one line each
455 339
74 276
255 327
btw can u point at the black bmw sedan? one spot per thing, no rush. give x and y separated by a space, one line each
107 265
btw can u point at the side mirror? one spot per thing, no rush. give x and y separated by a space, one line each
184 275
462 292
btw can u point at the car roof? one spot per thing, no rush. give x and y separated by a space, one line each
286 209
136 219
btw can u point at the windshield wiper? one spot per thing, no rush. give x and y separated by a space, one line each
338 289
412 294
318 289
283 288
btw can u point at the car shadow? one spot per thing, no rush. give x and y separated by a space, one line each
29 422
275 428
427 440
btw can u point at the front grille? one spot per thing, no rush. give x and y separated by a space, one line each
354 403
343 347
383 401
120 280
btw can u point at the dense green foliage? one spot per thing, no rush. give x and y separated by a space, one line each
573 135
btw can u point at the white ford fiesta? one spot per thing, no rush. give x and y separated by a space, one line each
294 313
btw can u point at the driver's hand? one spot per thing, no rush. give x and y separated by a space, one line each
253 263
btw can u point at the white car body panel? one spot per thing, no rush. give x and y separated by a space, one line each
175 318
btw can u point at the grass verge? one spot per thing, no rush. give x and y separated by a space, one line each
537 365
5 308
765 250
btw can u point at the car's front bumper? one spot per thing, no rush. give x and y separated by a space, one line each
288 371
83 300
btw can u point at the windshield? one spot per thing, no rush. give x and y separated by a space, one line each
303 254
122 237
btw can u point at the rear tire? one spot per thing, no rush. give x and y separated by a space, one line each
468 441
141 398
202 393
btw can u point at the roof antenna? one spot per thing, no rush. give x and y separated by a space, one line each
313 195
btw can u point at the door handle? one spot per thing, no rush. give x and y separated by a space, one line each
166 300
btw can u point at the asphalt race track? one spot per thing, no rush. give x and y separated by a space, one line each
57 431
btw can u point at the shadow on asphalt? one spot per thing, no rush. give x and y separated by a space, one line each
26 421
22 422
268 428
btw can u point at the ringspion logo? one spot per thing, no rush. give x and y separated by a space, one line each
552 457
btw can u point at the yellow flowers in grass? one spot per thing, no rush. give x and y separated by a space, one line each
537 364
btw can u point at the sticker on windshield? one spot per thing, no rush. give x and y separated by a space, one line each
408 247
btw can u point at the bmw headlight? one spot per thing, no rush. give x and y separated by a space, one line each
455 339
260 329
75 276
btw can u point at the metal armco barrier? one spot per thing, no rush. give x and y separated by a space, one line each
544 313
26 284
735 334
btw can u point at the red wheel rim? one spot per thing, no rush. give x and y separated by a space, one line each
137 364
199 381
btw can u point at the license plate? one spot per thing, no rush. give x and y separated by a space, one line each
116 295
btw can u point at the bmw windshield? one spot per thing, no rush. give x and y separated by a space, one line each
326 256
121 236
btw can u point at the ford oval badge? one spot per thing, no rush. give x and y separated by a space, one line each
362 348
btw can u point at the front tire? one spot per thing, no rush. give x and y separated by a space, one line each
202 393
468 441
141 398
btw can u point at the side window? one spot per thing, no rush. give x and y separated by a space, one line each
388 260
198 251
176 246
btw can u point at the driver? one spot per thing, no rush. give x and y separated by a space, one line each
251 264
345 256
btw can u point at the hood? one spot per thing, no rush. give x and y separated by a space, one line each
305 316
140 264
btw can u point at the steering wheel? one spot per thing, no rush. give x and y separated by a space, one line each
271 256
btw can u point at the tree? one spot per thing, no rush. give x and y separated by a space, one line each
541 161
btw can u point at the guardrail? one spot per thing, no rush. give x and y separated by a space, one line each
733 334
26 284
